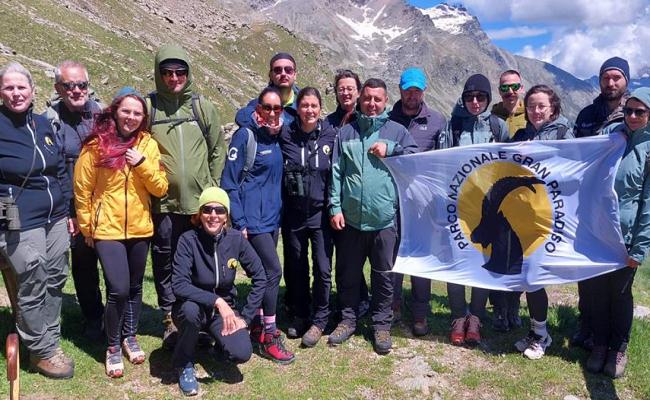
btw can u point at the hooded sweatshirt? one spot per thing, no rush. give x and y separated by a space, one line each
474 129
192 161
632 184
515 121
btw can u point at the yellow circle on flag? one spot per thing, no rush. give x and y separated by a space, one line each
528 212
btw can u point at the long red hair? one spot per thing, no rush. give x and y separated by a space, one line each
111 145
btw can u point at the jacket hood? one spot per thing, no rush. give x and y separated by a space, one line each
641 94
165 53
500 110
371 124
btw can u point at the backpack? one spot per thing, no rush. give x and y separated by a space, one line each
457 128
52 115
196 114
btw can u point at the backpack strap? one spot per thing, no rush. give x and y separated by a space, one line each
251 152
196 114
561 132
495 127
456 130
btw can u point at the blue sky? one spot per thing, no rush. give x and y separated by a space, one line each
576 35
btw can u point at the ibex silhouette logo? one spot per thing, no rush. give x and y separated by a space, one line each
495 230
505 212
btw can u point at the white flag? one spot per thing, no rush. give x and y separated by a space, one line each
511 216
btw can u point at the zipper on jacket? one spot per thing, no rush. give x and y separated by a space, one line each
216 267
126 203
182 148
47 180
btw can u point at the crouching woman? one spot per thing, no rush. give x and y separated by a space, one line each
203 281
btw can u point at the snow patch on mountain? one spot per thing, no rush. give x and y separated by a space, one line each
447 18
367 28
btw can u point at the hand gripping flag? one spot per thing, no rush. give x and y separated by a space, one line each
511 216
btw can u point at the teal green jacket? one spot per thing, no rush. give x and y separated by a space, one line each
362 187
632 185
192 161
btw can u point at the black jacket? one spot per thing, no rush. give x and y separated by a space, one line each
424 127
29 154
307 167
194 278
596 117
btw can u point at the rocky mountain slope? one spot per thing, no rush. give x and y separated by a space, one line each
230 42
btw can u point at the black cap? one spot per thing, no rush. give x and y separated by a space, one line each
618 64
173 62
478 83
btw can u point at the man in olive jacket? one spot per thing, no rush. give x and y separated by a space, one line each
192 151
363 205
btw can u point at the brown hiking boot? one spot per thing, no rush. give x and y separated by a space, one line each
312 336
340 334
57 366
420 327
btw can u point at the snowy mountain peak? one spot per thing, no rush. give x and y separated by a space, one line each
448 18
368 28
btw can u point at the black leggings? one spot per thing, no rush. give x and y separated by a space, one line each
265 245
537 304
123 262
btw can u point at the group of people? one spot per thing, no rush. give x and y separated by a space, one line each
107 182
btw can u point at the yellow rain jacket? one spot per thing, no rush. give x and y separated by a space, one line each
116 205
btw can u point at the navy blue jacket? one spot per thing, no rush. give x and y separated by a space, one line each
333 120
308 155
198 255
47 191
256 196
596 117
243 116
70 130
425 128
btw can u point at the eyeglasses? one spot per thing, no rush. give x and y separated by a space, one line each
636 112
288 69
208 210
169 72
505 87
269 107
349 89
469 97
69 86
538 107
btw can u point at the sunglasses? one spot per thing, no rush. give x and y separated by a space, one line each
287 70
208 210
470 97
505 87
269 108
69 86
169 72
637 112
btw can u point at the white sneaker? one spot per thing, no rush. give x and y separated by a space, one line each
537 347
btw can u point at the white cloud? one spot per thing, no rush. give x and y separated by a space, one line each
515 32
585 32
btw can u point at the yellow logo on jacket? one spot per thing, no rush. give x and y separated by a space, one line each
233 263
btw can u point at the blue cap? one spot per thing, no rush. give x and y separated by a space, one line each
413 77
128 90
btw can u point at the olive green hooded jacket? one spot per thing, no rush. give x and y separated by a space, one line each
191 160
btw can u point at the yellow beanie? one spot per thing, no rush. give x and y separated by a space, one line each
215 195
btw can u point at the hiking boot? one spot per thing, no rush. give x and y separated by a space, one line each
57 366
457 334
473 330
170 335
94 329
579 338
273 349
340 334
522 344
312 336
397 313
257 333
596 360
500 320
382 343
537 346
420 327
133 350
615 365
364 307
297 327
113 364
187 381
